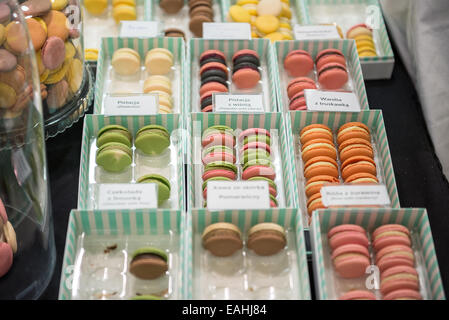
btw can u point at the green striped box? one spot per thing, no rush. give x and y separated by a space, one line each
93 123
380 67
263 48
147 226
142 46
415 219
271 121
198 220
297 120
282 48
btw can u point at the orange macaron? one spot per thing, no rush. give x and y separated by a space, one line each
362 178
318 147
358 164
314 203
315 184
321 166
315 131
353 130
355 147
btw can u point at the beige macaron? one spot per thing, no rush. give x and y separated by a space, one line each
159 61
126 61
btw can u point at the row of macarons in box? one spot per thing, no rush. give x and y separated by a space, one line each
248 255
279 73
270 147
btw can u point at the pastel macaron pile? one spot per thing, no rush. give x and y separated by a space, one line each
363 36
200 11
223 239
270 19
394 256
350 250
59 64
245 70
218 156
214 76
255 155
319 155
8 241
356 154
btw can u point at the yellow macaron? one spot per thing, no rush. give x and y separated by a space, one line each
59 4
123 12
275 36
2 34
126 61
8 96
70 50
127 2
239 14
75 75
266 24
95 7
91 54
159 61
367 52
57 75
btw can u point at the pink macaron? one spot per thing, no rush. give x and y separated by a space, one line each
298 63
391 234
246 78
333 76
259 171
397 278
53 53
299 85
218 173
330 56
218 156
358 295
253 131
403 294
257 145
212 53
347 234
395 255
351 260
213 65
217 139
214 87
207 109
298 102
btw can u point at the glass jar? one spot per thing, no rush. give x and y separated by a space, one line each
26 220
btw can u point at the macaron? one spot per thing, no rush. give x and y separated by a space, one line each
315 131
91 54
6 258
299 85
266 239
333 76
298 102
218 135
219 169
315 202
362 178
355 147
218 153
271 184
222 239
213 86
397 278
269 7
358 164
159 61
213 69
57 24
114 133
212 55
353 130
114 156
59 4
351 260
38 32
157 83
394 255
174 33
95 7
298 63
403 294
329 56
319 166
358 30
8 96
317 148
358 295
252 154
9 235
390 234
266 24
347 234
5 13
15 38
171 6
315 184
163 185
36 7
148 263
57 95
239 14
246 73
123 12
256 145
126 61
152 139
258 168
216 178
255 135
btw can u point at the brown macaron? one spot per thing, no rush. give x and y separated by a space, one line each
222 239
196 23
175 33
171 6
266 239
148 263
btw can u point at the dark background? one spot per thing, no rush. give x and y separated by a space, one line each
418 172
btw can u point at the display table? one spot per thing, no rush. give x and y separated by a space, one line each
418 175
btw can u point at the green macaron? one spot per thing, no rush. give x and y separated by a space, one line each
257 138
114 156
254 154
270 182
152 139
215 179
257 162
146 297
220 165
150 250
114 133
163 190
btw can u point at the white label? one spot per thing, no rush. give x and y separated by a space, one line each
139 29
235 195
130 105
331 101
127 196
355 195
316 32
21 166
238 103
226 31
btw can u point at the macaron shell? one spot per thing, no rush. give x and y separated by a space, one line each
218 173
298 85
358 295
314 203
315 184
358 164
403 294
348 237
333 76
159 61
152 142
256 145
57 24
352 267
391 227
266 242
388 240
258 170
246 78
113 160
298 63
317 148
401 282
346 228
217 139
213 86
315 131
218 156
321 166
330 56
